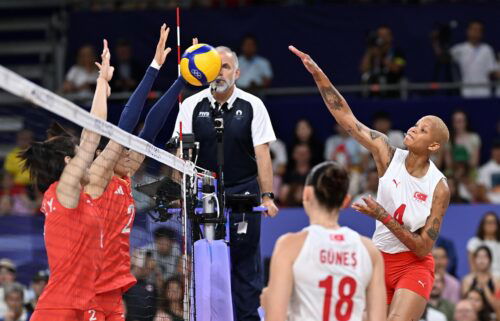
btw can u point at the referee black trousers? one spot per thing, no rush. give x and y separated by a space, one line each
246 267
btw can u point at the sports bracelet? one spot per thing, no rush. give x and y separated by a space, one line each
386 219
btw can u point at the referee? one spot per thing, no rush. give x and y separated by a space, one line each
247 168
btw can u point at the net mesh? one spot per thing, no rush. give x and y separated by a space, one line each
155 221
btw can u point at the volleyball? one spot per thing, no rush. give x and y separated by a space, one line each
200 64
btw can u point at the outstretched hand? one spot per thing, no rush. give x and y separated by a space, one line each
308 62
105 68
162 52
370 208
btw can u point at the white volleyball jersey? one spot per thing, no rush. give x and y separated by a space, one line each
331 274
407 198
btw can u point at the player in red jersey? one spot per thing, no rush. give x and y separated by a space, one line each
72 229
112 193
411 187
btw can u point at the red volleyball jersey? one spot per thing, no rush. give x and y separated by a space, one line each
73 240
117 209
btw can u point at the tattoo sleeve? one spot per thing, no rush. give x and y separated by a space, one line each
332 98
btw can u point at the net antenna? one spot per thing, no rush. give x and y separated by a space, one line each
187 281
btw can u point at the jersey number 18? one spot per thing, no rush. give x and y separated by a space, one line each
343 308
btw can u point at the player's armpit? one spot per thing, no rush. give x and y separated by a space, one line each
376 296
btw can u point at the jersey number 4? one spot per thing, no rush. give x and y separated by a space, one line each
398 214
343 308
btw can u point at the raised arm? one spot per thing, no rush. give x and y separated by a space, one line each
101 170
376 142
419 242
69 187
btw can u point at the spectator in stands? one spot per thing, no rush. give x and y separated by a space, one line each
382 63
255 71
464 178
483 281
382 123
293 182
140 300
17 199
464 311
441 44
171 301
464 145
167 252
81 78
7 277
455 197
370 186
488 234
279 158
14 299
348 152
489 174
38 283
304 133
450 290
484 311
437 301
342 148
449 246
13 163
476 61
127 71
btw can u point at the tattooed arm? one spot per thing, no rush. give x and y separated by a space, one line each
376 142
421 241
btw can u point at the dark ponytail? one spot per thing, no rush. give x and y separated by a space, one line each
330 182
45 160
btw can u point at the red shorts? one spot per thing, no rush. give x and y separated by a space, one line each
58 315
109 307
406 271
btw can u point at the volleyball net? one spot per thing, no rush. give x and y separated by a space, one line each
162 188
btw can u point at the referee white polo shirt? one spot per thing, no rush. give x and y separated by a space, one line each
246 125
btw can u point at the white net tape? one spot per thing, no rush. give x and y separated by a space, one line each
19 86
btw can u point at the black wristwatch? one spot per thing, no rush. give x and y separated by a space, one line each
268 194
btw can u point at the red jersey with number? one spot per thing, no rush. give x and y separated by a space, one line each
117 209
330 276
407 198
73 240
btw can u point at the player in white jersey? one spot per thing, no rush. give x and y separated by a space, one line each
325 272
411 201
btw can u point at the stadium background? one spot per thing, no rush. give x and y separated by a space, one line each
40 39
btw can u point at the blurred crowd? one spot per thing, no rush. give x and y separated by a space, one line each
472 62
